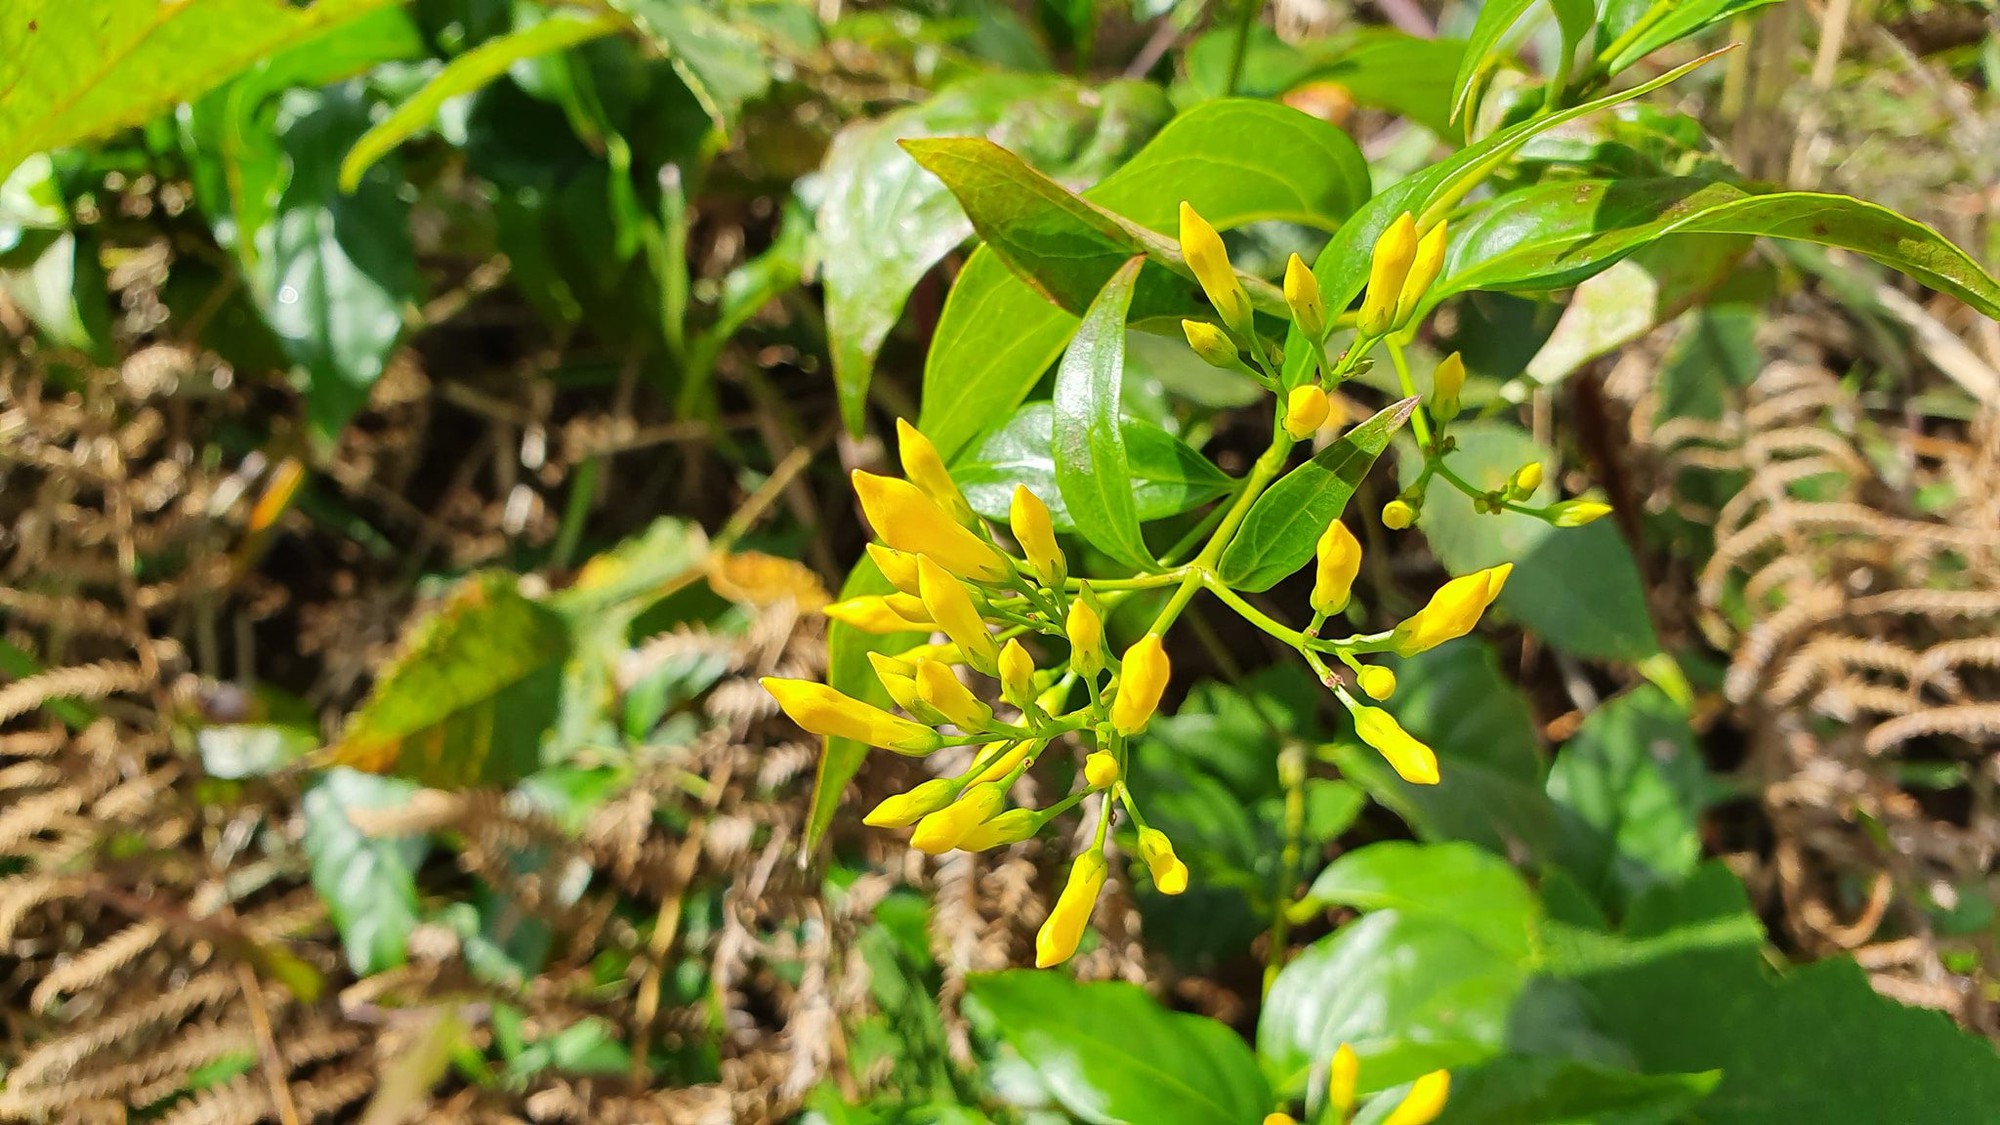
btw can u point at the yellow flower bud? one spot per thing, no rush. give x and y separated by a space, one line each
1302 295
943 654
1017 675
1377 682
1451 612
1169 874
1003 763
1101 770
1010 827
1576 513
872 614
899 567
1212 344
939 688
1397 515
1339 555
1280 1119
1424 269
1057 940
1343 1077
1305 411
912 522
926 470
1424 1102
1391 264
951 607
1525 481
1086 638
1209 262
1447 383
900 681
826 712
1141 680
905 809
1029 518
942 830
1412 760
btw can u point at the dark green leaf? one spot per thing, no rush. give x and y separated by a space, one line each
1529 1090
1168 477
367 882
1457 884
722 63
1380 67
1633 774
1278 533
468 698
1092 472
1112 1055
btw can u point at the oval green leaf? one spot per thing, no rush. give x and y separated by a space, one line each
1093 473
1168 476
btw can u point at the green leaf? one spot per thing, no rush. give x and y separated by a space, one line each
331 272
1110 1054
1410 993
1578 588
884 222
1092 472
1237 161
1669 20
1168 476
1540 1090
721 63
848 670
1279 531
1496 19
61 288
1379 67
468 698
465 74
77 71
1454 883
1633 773
1622 304
367 882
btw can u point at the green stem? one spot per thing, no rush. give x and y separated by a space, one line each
1419 423
1244 23
1251 613
1292 774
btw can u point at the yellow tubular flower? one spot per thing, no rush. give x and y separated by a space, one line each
905 809
1169 874
872 614
1029 518
1397 514
939 688
826 712
1305 411
926 470
1101 770
1342 1078
1525 481
1447 383
1280 1119
951 607
1377 682
1004 764
1576 513
1302 295
1017 675
1452 611
1339 555
942 830
1141 681
912 522
1056 941
1412 760
943 654
1209 262
1424 1102
1010 827
1086 638
900 681
897 566
1424 269
1394 252
1212 344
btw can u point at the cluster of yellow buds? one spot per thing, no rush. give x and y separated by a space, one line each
953 575
1421 1104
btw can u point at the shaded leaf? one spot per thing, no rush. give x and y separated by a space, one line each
722 64
367 882
1633 774
1529 1090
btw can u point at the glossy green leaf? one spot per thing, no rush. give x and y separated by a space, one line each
1669 20
1483 49
466 700
848 670
1281 528
1167 476
1578 588
464 75
1634 775
1542 1090
997 335
1454 883
1112 1056
884 222
367 882
1093 473
76 71
722 63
